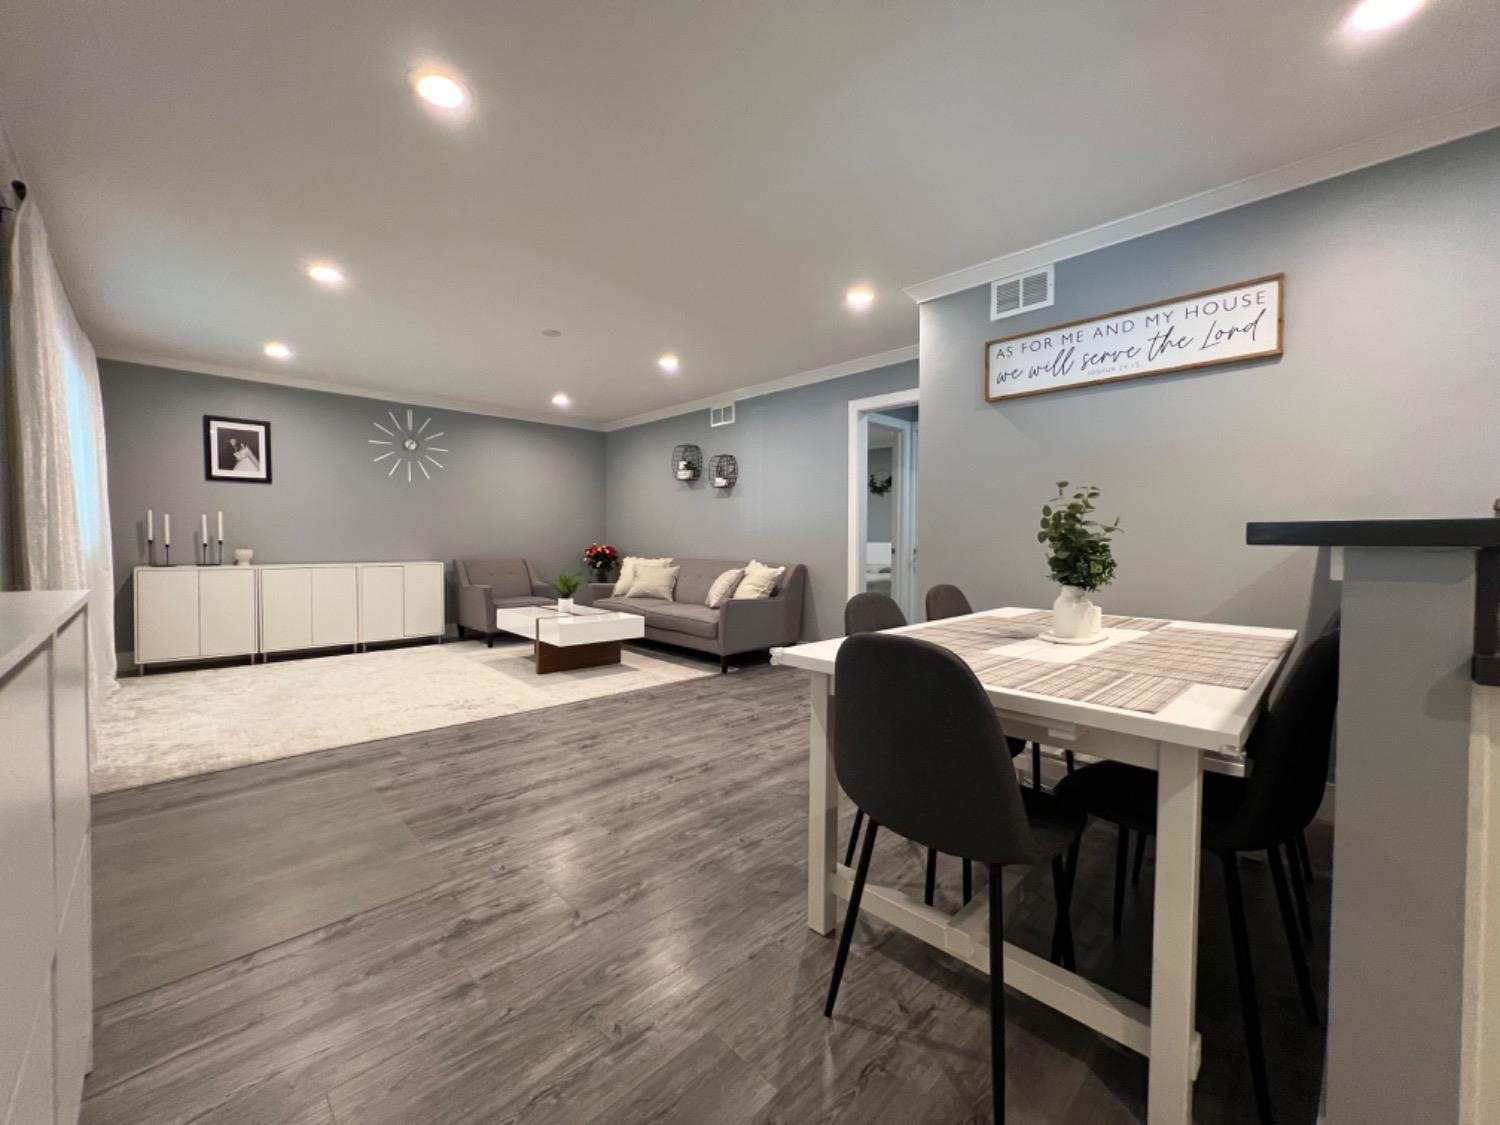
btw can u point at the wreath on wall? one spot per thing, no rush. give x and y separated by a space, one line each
880 487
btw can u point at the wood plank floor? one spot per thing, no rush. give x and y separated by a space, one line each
619 935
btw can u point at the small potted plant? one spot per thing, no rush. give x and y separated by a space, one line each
566 584
1079 560
600 558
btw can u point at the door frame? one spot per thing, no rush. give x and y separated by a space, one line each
860 410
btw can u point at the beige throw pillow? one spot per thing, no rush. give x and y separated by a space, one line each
723 586
654 582
759 581
627 573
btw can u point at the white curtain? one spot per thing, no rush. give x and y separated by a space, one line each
59 436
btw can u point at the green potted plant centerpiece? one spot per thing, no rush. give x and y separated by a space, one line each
1079 560
566 584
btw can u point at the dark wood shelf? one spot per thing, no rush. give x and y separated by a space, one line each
1481 532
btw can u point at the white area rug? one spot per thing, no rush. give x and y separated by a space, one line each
175 724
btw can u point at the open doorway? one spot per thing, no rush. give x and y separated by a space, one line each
883 498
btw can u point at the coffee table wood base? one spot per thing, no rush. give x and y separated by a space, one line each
570 658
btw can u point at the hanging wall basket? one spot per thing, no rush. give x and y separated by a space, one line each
723 470
687 462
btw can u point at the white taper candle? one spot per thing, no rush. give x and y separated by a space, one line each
166 529
150 525
221 527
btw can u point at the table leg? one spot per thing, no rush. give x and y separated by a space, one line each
822 808
1174 949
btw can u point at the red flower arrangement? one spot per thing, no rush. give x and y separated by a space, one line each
600 558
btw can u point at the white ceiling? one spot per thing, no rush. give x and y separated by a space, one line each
702 176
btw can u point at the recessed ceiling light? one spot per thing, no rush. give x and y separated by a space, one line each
325 273
1375 15
277 350
560 399
859 298
439 89
669 363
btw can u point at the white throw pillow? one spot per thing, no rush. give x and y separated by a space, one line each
759 581
654 582
723 586
627 573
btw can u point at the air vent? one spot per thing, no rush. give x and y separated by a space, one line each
721 415
1012 296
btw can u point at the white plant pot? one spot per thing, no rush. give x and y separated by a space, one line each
565 605
242 556
1074 616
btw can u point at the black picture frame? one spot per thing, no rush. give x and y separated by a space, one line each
220 461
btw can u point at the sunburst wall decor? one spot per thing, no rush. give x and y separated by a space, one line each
410 446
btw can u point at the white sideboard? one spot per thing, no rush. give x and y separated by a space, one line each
46 964
203 612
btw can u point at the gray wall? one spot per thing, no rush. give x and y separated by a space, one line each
791 503
509 488
1385 402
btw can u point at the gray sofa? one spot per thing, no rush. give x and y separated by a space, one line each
746 625
485 585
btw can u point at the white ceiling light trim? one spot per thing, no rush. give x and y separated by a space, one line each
785 383
328 386
1465 121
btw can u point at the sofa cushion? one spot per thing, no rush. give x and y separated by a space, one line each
630 605
627 572
760 581
506 578
696 620
723 586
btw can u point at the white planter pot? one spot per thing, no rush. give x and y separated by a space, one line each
1074 616
565 605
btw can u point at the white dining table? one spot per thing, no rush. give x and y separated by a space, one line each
1203 728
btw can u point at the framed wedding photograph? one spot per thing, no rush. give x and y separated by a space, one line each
236 449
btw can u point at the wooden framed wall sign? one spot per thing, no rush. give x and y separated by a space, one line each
1227 325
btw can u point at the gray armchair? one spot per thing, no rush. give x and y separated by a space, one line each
485 585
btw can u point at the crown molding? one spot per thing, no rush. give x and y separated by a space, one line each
1429 132
328 386
755 390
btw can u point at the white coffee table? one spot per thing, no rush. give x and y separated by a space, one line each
563 641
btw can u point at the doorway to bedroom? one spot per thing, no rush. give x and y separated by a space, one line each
883 438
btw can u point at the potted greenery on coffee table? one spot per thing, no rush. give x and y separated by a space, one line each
1079 560
566 584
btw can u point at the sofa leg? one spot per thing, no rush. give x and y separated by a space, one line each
723 664
489 640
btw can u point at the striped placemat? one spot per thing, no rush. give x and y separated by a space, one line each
1104 686
1043 617
1232 660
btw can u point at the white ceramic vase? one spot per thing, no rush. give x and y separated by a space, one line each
565 605
242 556
1074 616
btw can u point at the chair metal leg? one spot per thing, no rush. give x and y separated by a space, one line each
1249 1004
1299 891
968 882
1122 856
1036 766
1293 937
1068 759
1304 858
851 915
931 890
997 995
1062 926
859 819
1140 857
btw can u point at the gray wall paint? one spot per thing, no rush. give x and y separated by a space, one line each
510 488
1385 402
791 503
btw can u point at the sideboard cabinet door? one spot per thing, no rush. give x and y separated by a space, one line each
335 605
286 609
381 614
226 611
166 615
424 599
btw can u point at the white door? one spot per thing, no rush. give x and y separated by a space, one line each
166 614
335 605
381 616
226 611
286 609
423 609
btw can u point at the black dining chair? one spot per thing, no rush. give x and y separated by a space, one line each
940 774
1265 811
945 600
872 613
